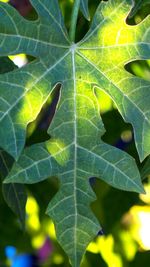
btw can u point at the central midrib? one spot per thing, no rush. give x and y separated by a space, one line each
75 151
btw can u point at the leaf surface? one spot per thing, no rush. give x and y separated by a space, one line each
76 151
14 194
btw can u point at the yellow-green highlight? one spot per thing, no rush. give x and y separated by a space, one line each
19 60
58 150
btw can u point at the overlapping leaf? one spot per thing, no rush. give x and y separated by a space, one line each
14 194
85 9
138 5
75 152
145 172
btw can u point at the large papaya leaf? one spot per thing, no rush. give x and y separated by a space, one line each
75 152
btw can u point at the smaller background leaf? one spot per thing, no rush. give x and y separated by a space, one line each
138 5
146 169
85 9
14 194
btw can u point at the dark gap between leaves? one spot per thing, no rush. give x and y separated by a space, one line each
43 120
25 9
139 68
138 14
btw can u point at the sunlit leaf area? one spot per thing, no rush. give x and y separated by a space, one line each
28 235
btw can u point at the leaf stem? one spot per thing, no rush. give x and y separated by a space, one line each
74 18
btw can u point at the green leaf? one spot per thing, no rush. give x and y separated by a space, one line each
145 171
46 38
14 194
16 198
137 6
75 152
107 47
85 9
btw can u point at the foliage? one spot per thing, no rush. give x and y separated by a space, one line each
75 152
85 9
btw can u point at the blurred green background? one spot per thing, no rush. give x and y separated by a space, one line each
124 217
